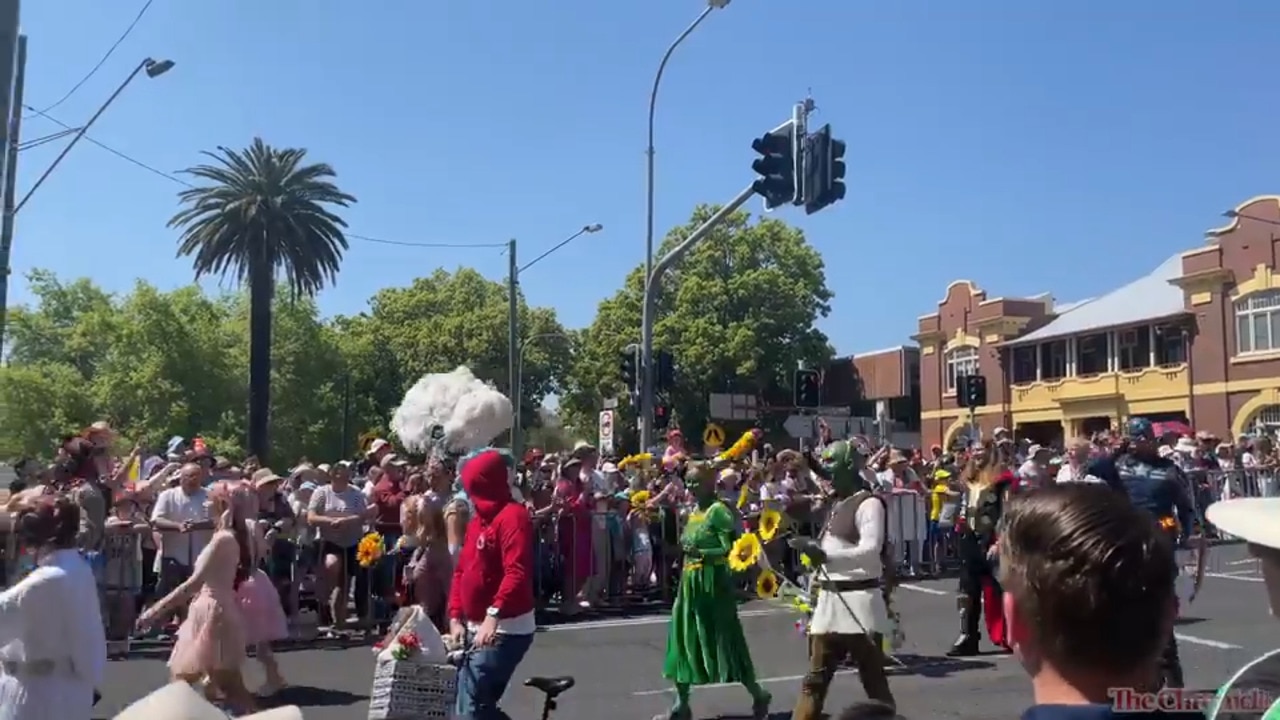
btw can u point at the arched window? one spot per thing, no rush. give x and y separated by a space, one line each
961 361
1258 323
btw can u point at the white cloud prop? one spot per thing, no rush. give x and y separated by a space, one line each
456 411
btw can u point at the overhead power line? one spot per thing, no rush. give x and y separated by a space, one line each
94 70
178 180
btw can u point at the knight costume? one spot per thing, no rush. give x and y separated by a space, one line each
981 505
854 562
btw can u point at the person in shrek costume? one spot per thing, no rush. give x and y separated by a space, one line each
706 644
851 614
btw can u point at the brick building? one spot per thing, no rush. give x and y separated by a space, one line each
1196 340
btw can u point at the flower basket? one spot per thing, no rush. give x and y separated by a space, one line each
406 688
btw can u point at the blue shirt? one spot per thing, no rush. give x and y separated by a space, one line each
1099 712
1157 486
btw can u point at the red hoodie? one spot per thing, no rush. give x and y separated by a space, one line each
495 568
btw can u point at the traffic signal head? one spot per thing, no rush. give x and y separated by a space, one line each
808 388
629 367
777 167
975 391
664 372
824 170
661 417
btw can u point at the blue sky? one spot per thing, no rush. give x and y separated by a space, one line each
1032 147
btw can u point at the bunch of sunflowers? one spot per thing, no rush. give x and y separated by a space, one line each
370 549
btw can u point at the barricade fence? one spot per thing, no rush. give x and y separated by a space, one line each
582 559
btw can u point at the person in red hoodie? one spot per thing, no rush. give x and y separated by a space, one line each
491 599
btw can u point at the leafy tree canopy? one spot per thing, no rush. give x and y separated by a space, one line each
158 364
738 314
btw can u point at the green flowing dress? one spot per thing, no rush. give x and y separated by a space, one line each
705 643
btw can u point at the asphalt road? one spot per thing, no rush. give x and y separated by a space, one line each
617 662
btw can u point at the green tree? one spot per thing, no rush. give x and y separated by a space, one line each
438 323
738 313
263 213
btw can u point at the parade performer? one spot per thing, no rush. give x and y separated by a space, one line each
211 640
855 566
987 483
706 644
1156 485
491 606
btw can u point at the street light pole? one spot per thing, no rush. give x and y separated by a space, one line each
646 375
517 443
11 185
153 68
513 322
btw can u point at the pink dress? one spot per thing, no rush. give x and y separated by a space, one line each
212 637
574 534
264 618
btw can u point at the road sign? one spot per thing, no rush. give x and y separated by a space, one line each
606 431
713 435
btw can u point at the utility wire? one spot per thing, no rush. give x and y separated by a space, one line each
94 71
37 142
175 179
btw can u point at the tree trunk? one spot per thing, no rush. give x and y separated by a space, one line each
261 293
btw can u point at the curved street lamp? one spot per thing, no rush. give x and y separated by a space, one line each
153 69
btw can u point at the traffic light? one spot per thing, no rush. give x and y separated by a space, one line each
808 389
777 167
629 365
823 174
664 371
661 417
972 390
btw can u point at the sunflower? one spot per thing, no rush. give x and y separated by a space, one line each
640 498
767 585
770 521
745 552
370 549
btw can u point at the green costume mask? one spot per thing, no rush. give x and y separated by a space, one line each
700 478
842 462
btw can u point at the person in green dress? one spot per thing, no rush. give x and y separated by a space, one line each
706 644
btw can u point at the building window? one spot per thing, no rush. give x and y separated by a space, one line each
961 361
1091 355
1053 360
1024 364
1171 346
1258 323
1135 348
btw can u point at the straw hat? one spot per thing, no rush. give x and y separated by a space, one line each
1257 520
179 701
265 477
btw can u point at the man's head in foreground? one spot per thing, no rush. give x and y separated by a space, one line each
1089 591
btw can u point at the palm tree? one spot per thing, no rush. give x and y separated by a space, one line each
262 212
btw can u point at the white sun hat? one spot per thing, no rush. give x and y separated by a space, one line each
179 701
1255 520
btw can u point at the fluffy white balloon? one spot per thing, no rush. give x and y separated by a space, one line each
456 411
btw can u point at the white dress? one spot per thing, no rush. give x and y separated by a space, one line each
846 561
53 648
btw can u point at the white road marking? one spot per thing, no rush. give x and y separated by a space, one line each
797 678
1224 576
923 589
1205 642
639 621
1246 561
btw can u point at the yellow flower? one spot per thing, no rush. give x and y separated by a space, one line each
370 549
745 552
801 605
640 497
805 561
770 521
767 585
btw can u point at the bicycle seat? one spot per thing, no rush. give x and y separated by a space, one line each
552 686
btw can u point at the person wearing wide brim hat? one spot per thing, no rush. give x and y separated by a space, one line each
1257 522
265 477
